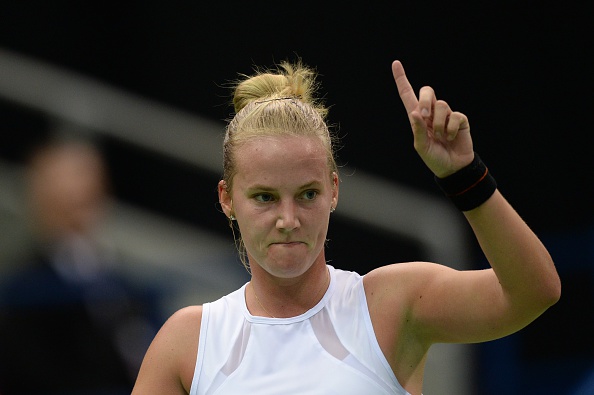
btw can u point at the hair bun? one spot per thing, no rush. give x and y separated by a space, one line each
288 80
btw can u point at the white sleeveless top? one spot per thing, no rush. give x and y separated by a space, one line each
330 349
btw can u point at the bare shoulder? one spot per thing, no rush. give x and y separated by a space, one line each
184 321
402 287
168 365
402 277
398 286
184 330
392 292
180 332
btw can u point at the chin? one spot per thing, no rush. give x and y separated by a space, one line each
288 267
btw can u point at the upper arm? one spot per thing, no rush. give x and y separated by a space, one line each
463 306
168 365
435 304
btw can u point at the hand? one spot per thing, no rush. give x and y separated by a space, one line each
441 136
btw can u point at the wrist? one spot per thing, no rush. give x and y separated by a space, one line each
470 186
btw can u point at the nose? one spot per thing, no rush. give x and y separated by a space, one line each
287 217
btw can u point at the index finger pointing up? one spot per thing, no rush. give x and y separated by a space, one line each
405 90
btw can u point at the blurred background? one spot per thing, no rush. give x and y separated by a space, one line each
143 88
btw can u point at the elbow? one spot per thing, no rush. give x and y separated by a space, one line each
544 294
554 285
549 285
549 291
541 298
554 291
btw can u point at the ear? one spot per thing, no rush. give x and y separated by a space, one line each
335 182
225 199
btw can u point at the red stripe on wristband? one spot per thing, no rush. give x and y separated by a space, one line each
470 186
473 185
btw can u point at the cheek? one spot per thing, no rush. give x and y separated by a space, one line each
254 230
317 225
323 231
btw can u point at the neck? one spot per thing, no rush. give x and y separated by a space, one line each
275 297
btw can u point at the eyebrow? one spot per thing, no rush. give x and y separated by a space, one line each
261 187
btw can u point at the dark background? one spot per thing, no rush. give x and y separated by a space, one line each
522 74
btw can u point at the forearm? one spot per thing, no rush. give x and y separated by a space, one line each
522 264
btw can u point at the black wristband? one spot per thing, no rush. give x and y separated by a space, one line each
470 186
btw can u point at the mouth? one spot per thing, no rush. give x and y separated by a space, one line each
287 243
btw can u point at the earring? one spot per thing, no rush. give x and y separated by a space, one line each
232 217
332 209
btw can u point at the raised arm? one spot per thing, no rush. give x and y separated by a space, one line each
446 305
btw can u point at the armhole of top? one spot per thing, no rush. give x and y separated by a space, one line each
201 345
373 339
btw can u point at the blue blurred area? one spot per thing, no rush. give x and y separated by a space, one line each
555 354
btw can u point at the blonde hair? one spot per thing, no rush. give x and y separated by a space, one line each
275 102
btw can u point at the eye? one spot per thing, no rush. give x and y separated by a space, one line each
264 197
310 194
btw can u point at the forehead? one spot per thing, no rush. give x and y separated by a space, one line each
279 158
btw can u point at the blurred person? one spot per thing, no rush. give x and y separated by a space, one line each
302 326
69 322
